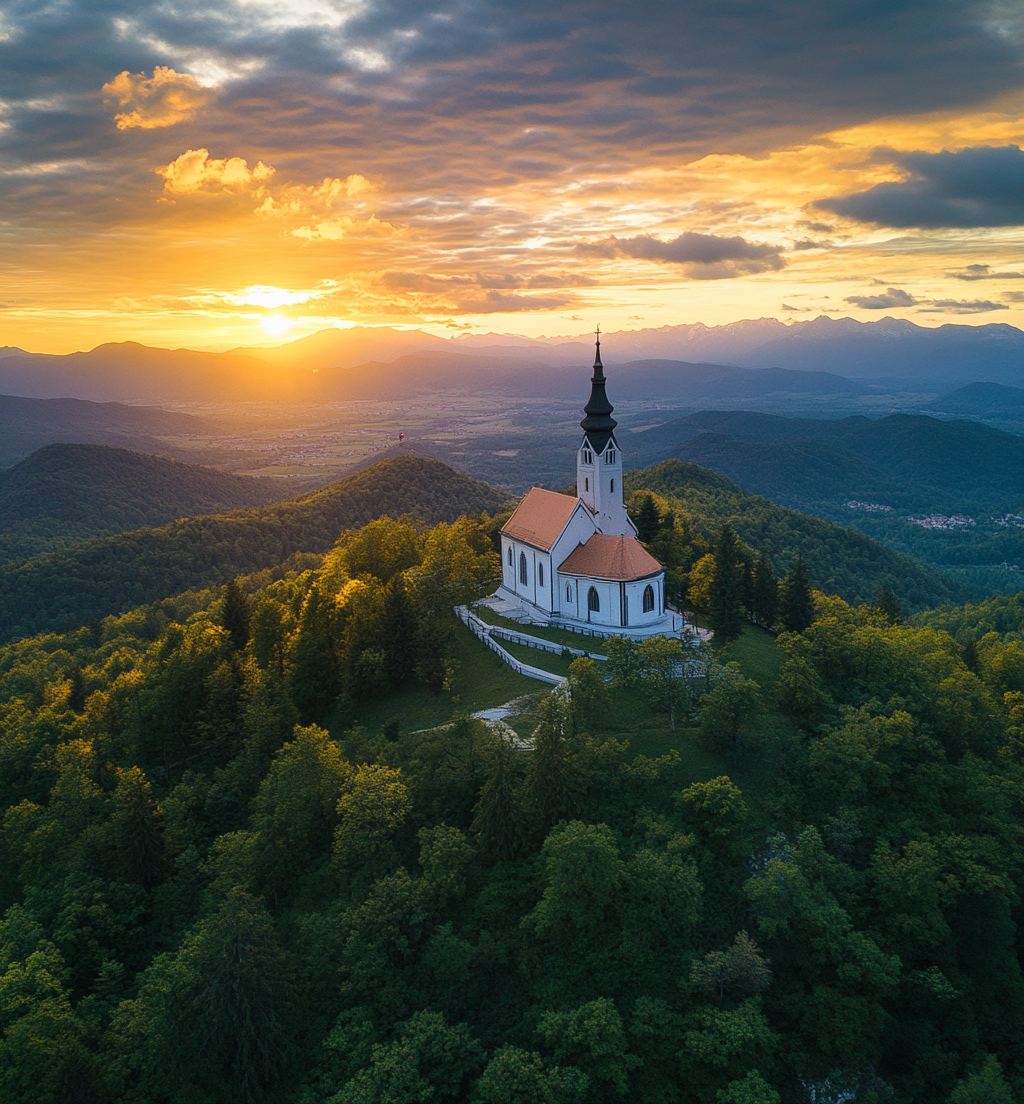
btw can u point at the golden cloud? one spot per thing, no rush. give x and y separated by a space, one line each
346 227
195 171
161 100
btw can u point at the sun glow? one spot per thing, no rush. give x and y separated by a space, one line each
276 324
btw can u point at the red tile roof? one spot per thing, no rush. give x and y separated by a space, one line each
540 517
605 557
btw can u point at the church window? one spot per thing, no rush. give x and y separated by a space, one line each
522 568
586 484
568 593
540 574
510 555
649 599
609 456
613 486
593 602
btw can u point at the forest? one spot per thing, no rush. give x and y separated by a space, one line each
61 589
783 869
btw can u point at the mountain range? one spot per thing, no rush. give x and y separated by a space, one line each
349 363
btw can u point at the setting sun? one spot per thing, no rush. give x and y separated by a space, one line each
276 324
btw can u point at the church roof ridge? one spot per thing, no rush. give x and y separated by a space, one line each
540 518
605 556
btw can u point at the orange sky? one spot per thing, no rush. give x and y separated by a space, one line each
503 167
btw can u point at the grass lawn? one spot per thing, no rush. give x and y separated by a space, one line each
554 662
757 655
544 632
481 681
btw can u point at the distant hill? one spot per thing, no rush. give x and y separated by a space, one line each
905 461
983 400
63 589
841 561
27 424
65 494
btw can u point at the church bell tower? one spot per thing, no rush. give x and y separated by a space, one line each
599 459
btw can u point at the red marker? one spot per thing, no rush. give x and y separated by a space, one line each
401 438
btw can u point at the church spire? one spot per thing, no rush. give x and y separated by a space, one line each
598 424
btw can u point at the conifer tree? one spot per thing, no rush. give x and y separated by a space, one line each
314 678
726 585
235 615
554 780
796 605
889 605
496 820
399 631
648 520
137 824
766 591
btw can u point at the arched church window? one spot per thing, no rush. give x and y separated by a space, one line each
540 574
613 486
568 593
593 602
522 568
586 484
510 555
649 599
609 457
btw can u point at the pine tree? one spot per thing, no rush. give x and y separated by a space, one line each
554 781
314 678
725 599
399 632
766 591
137 824
235 615
496 820
889 605
648 520
796 604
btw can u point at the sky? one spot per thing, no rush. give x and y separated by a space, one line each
229 172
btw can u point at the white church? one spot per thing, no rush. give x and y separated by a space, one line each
575 562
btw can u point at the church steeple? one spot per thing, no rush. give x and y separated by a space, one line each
598 425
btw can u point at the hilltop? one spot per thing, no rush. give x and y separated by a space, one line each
110 575
65 494
841 561
102 577
910 462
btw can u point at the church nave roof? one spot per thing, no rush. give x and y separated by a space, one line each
540 517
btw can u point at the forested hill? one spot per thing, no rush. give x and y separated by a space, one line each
65 494
842 561
62 589
909 462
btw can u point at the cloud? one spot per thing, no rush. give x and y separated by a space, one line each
962 306
977 187
706 256
1014 296
983 272
161 100
345 226
894 297
194 171
497 302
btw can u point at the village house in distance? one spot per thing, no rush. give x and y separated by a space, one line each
575 561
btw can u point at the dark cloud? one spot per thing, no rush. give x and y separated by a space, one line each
976 187
433 92
983 272
708 257
962 306
894 297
